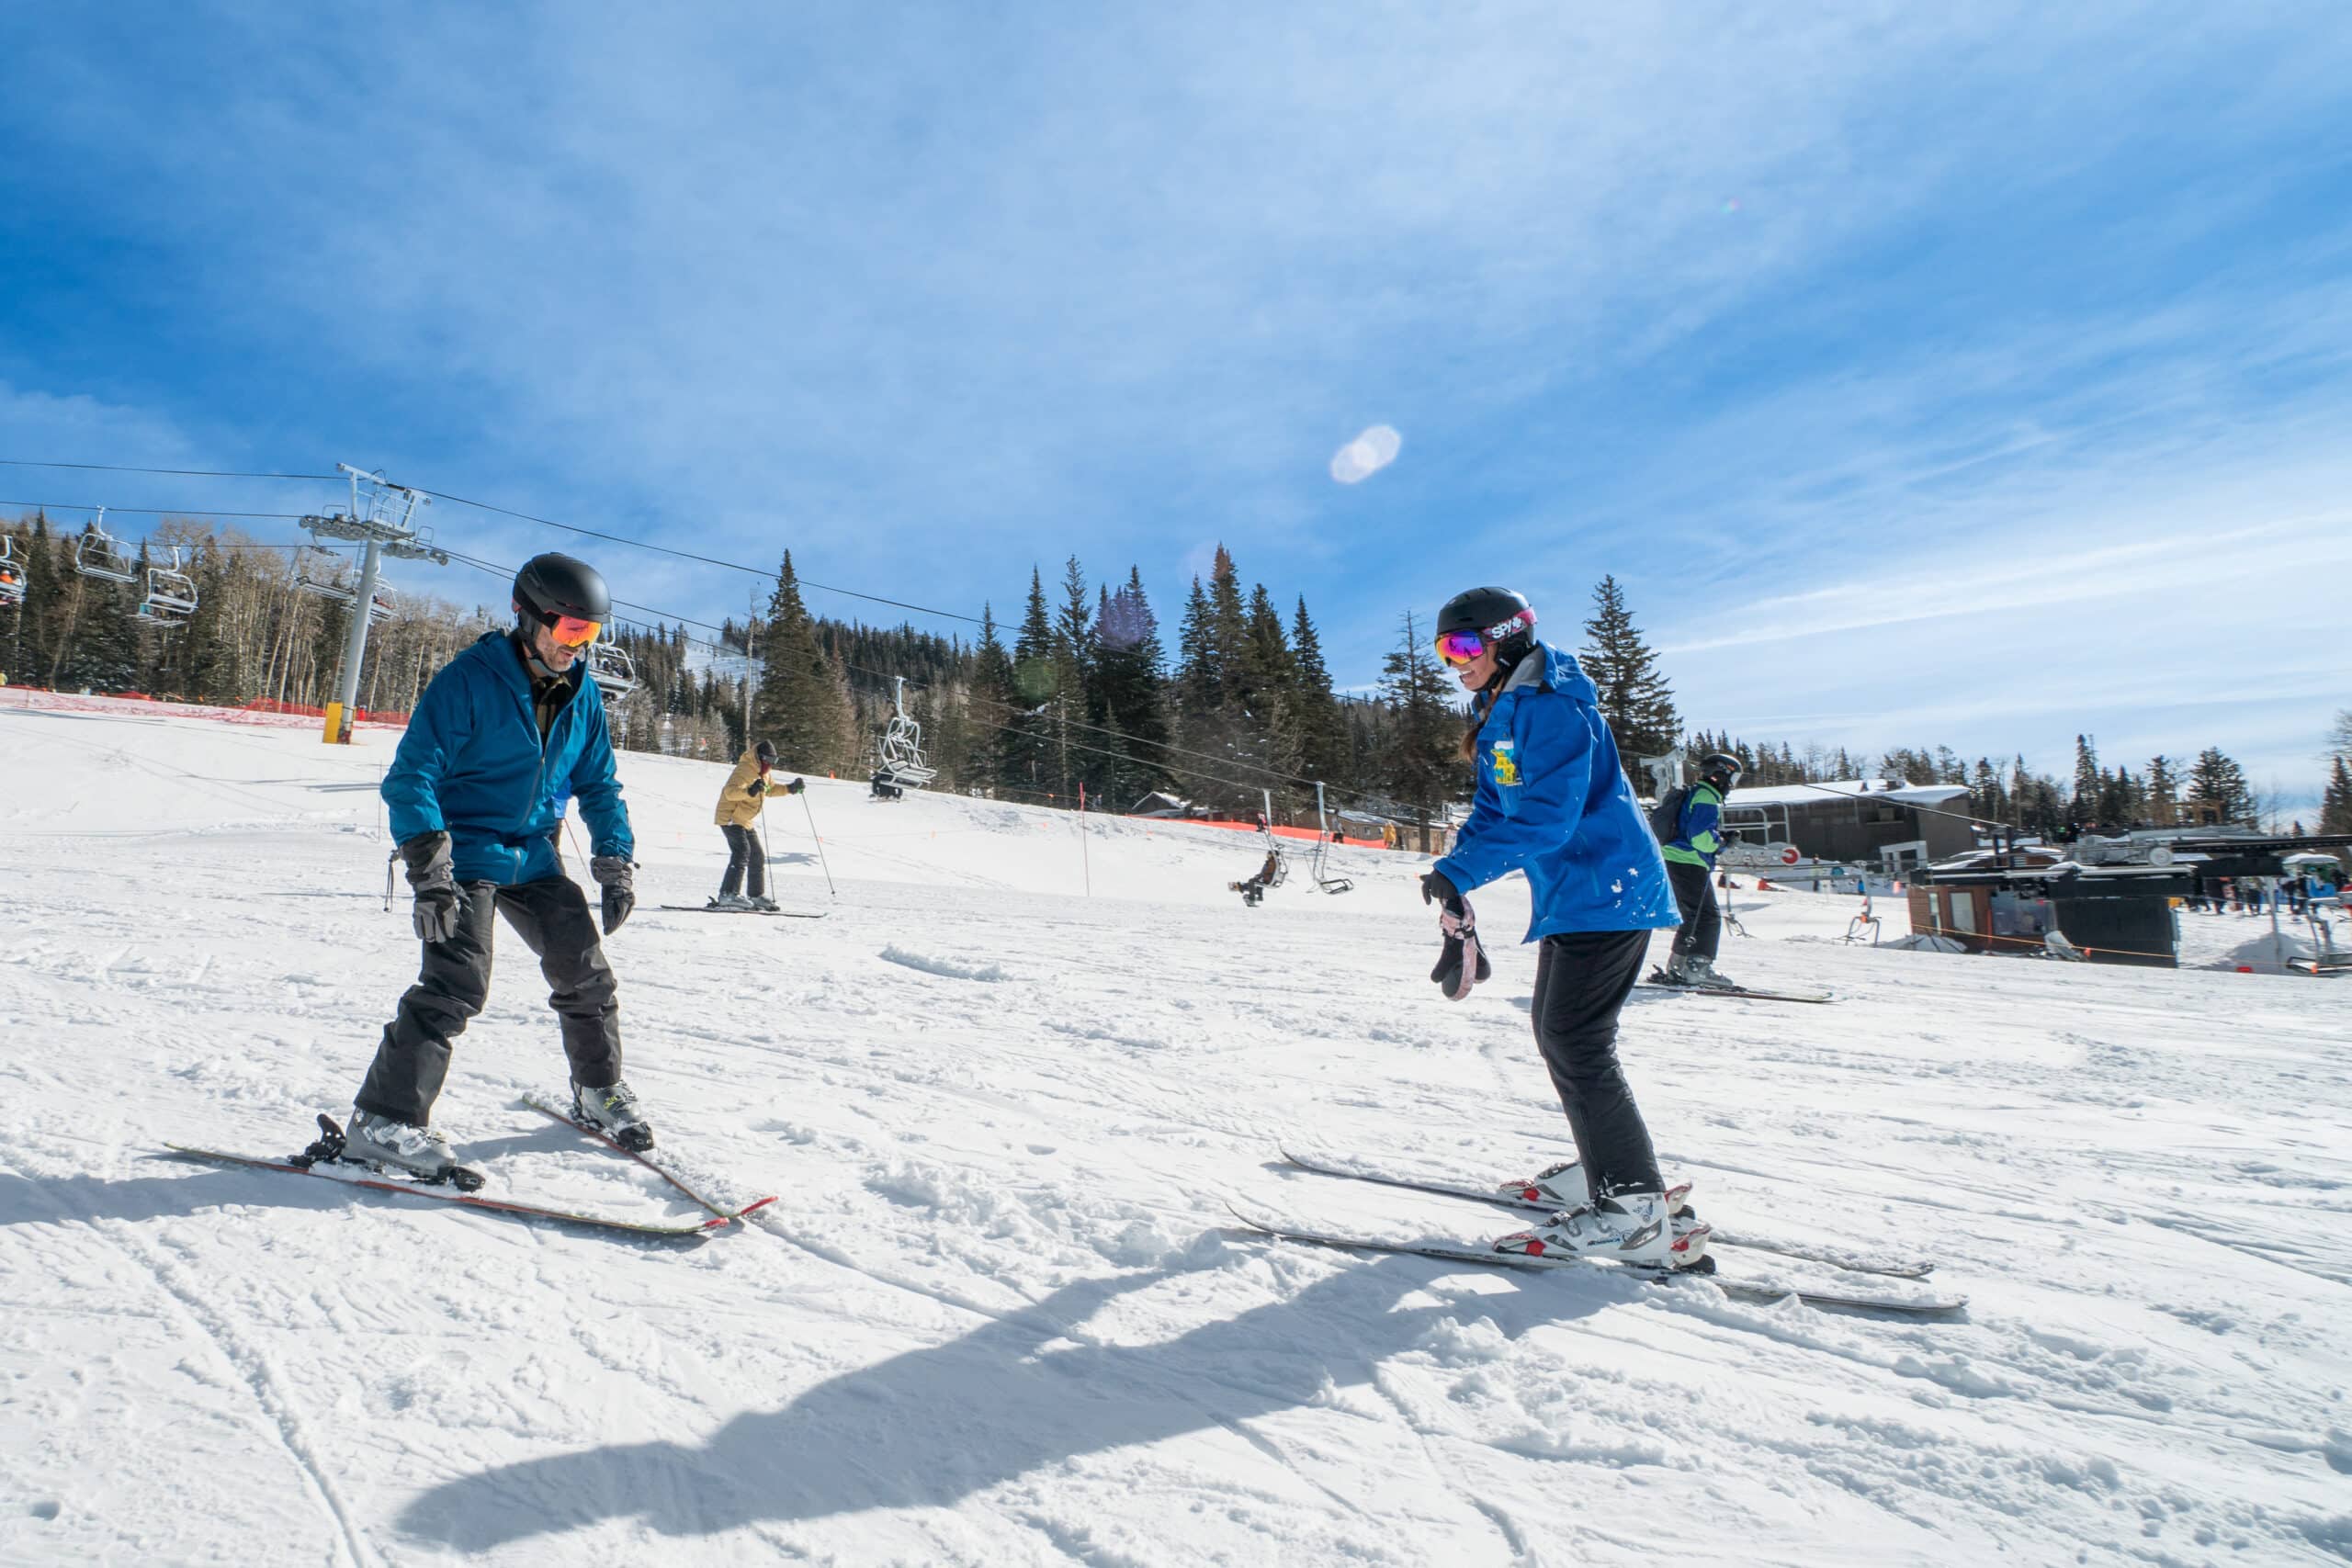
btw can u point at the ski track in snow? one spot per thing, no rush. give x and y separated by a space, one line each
998 1313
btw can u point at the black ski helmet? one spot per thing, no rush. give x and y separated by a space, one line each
765 752
552 585
1720 765
1501 616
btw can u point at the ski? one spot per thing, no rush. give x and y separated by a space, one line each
353 1175
1658 982
1738 1287
1852 1261
555 1114
771 914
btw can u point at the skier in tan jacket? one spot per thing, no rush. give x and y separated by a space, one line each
746 790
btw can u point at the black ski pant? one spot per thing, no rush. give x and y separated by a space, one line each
1703 918
1582 979
554 919
743 858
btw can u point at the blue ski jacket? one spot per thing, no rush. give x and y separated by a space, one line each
472 765
1553 800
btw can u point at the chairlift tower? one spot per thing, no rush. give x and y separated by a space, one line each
380 520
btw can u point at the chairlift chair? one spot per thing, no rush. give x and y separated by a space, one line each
100 555
12 574
1322 866
901 765
170 594
310 577
614 672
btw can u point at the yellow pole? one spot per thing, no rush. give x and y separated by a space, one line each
334 723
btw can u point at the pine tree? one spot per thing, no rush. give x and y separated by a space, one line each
1986 798
2336 805
1028 754
1635 697
2218 780
1199 686
1129 658
2084 802
802 703
991 705
2163 792
1422 768
1323 733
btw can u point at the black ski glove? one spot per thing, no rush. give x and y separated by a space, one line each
435 912
616 875
796 786
1462 961
1436 890
757 788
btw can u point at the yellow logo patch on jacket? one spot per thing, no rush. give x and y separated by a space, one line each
1505 764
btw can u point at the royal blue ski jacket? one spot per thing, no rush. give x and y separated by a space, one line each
472 765
1553 801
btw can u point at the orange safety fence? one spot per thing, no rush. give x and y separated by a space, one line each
1281 830
263 711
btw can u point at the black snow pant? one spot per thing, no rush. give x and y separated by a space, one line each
1703 918
554 919
1582 979
743 857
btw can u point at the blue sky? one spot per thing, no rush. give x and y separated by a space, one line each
1969 379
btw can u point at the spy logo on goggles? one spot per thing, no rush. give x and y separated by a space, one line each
1461 648
571 631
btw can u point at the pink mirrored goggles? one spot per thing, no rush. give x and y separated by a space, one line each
1461 648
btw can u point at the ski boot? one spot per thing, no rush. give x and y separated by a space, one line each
762 902
613 1111
1619 1227
421 1152
1702 972
1562 1185
730 901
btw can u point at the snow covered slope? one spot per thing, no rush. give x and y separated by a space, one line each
1000 1315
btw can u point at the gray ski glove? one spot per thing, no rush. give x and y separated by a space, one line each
427 855
616 875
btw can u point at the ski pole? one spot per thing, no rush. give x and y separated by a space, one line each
830 889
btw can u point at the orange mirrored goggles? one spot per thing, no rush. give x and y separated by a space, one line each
571 631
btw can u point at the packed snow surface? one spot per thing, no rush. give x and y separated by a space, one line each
1000 1315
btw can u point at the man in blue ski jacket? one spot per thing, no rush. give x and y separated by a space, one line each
1692 837
506 736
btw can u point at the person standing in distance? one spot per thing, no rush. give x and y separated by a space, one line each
506 736
740 799
1553 801
1691 843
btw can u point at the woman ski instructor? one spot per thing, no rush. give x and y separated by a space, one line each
506 736
1553 801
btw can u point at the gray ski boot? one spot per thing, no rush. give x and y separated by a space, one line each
613 1111
421 1152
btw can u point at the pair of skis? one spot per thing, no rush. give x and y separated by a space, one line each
1660 981
1856 1298
771 914
463 1187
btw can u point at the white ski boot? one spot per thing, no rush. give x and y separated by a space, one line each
1623 1227
730 901
613 1111
762 902
1561 1185
421 1152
